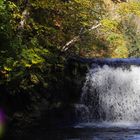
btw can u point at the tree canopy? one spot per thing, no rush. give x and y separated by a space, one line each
37 36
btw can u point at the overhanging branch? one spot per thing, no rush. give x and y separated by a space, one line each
76 38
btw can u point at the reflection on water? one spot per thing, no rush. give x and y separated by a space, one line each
81 133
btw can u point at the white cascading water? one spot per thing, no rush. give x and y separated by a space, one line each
111 95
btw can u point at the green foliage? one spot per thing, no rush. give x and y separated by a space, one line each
33 33
109 25
129 8
131 32
120 31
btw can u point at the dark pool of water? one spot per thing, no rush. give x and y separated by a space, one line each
80 132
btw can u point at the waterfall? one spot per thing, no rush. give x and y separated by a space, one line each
111 94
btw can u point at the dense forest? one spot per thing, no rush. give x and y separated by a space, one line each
37 37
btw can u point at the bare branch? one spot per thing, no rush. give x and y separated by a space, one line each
25 15
94 27
76 38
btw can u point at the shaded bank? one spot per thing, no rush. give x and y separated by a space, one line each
53 106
